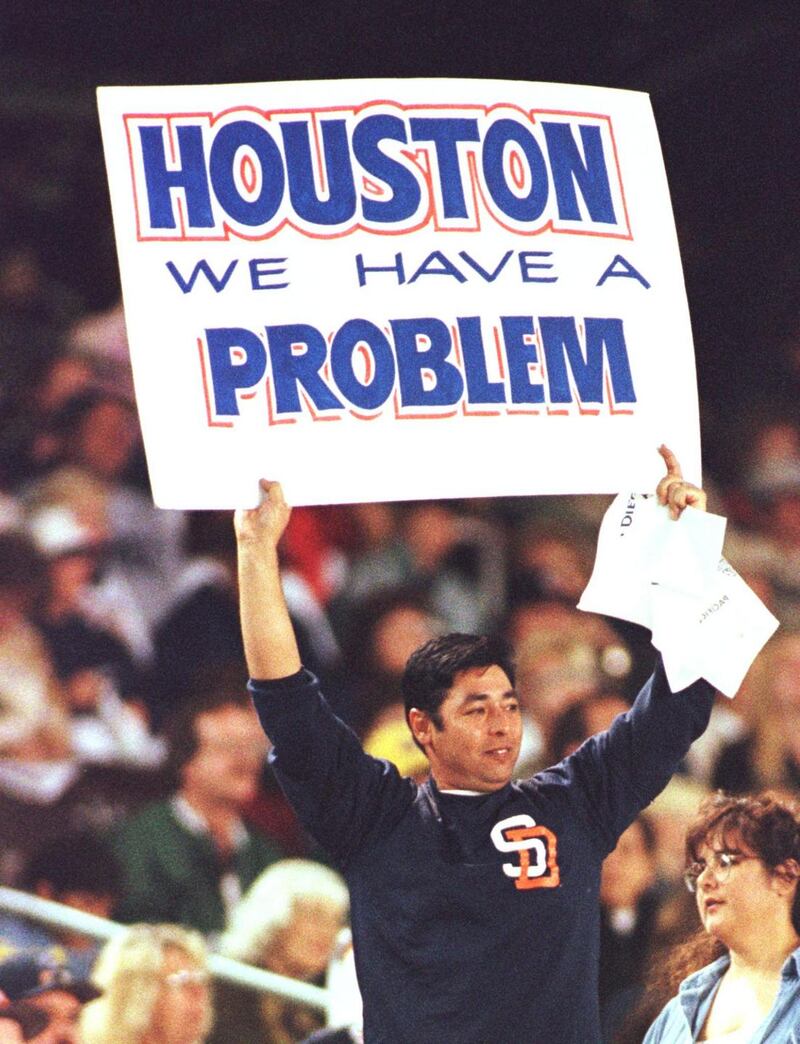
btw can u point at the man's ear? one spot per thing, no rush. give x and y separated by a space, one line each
420 723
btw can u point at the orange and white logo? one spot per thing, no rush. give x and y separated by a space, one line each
537 848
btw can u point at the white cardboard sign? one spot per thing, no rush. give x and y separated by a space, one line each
397 289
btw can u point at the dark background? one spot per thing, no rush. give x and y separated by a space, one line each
723 80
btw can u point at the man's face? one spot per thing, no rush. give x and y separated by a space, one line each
226 766
478 744
106 438
64 1011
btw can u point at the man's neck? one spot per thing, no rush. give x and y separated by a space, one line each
221 820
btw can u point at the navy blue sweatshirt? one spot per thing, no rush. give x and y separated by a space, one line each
475 918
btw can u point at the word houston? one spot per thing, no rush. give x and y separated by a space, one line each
382 167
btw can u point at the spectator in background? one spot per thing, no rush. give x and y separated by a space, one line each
773 515
563 656
551 559
554 671
388 737
98 675
588 716
728 726
155 989
386 628
317 541
288 922
189 857
80 871
28 444
36 311
644 908
453 561
671 814
200 631
629 903
33 721
101 340
100 446
34 977
532 622
769 754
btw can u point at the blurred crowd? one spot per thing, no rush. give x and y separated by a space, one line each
133 775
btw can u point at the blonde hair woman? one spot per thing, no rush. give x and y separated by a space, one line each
287 922
155 989
769 756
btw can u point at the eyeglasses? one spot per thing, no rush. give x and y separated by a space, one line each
185 977
720 863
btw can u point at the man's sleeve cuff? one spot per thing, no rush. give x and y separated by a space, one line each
277 685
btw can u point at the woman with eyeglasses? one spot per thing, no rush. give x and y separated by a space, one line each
155 986
743 864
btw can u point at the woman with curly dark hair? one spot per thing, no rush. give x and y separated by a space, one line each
743 865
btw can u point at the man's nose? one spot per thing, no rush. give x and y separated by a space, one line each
498 720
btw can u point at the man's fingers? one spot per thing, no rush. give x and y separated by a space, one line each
673 476
269 519
676 498
273 505
671 461
680 495
673 490
684 494
271 491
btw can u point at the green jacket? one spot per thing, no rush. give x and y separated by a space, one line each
173 874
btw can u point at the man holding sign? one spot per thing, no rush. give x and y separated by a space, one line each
474 897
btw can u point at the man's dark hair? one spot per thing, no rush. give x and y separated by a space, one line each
431 670
81 862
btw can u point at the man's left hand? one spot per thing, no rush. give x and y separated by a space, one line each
674 491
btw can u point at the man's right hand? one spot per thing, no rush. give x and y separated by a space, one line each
269 642
265 524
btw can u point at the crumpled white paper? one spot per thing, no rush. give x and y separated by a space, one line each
671 577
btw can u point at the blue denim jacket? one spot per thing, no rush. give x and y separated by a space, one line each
683 1017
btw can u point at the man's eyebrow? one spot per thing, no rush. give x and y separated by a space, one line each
481 697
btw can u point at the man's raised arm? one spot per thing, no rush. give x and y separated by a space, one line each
269 642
